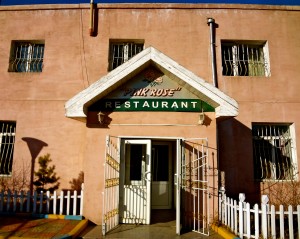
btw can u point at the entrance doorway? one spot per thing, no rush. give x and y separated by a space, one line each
146 175
147 168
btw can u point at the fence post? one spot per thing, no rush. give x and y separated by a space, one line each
221 203
264 224
81 199
242 198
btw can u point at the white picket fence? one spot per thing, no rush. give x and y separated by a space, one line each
63 203
264 222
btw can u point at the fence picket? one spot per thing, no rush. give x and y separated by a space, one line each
15 199
41 201
81 200
28 202
235 217
75 203
256 221
47 201
61 202
264 219
8 200
273 224
21 201
247 221
281 221
291 227
225 211
231 213
34 201
68 202
54 202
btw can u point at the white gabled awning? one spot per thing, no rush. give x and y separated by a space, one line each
224 105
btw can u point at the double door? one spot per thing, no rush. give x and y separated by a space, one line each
143 174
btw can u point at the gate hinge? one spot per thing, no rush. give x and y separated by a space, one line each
103 229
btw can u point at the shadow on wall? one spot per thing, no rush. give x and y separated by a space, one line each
35 146
236 160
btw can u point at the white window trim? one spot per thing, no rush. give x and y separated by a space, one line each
235 60
267 60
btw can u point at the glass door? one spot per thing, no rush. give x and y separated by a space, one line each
161 194
135 187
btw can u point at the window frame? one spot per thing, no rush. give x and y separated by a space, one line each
27 56
112 64
245 57
275 152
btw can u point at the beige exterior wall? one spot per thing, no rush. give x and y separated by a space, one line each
73 60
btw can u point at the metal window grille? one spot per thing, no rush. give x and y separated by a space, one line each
27 57
7 141
273 152
240 59
122 52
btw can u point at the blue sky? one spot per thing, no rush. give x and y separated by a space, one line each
269 2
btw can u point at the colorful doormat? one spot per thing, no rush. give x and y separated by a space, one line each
16 227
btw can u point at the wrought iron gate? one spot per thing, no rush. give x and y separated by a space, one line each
110 215
195 194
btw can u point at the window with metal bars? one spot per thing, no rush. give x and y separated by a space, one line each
121 52
26 56
274 152
7 141
243 58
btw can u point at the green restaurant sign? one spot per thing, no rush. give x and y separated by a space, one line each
151 90
134 104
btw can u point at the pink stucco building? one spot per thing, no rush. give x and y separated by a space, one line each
158 104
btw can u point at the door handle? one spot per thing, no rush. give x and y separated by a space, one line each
146 175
